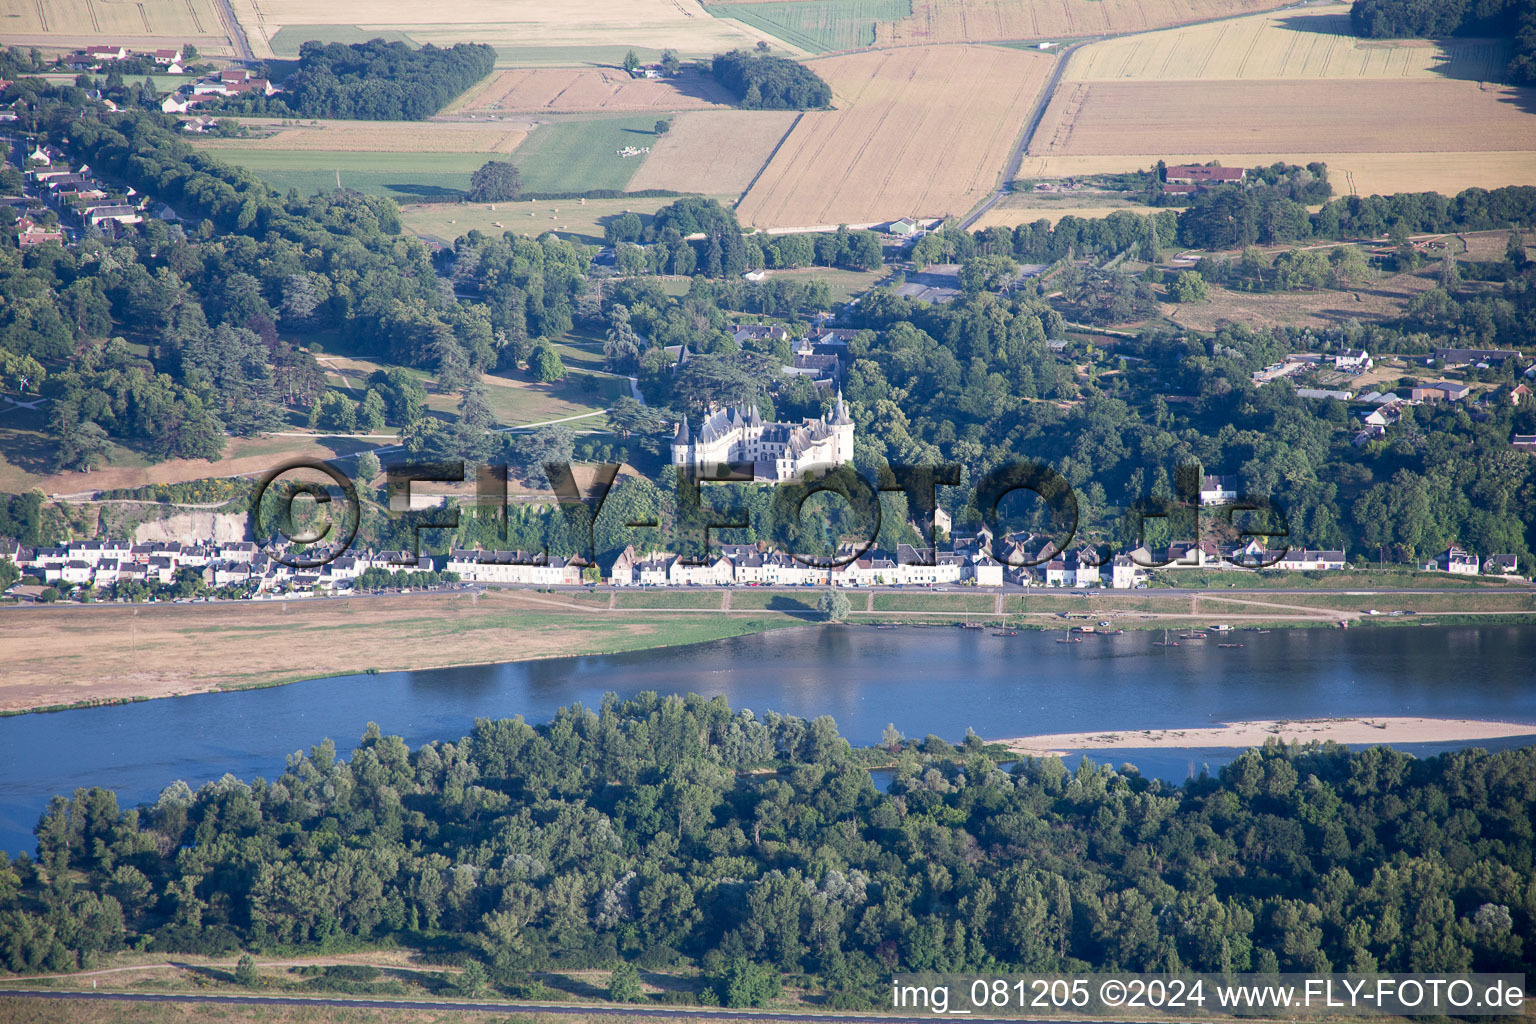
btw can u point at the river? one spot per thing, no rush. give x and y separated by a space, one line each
924 680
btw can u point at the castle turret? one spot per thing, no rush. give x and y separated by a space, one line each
842 429
681 445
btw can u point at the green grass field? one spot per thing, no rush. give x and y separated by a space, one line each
706 600
920 602
818 26
405 177
581 155
570 218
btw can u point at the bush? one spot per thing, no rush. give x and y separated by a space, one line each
495 182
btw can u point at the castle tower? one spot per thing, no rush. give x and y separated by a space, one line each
682 448
842 429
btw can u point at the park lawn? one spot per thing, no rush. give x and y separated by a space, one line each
581 154
516 402
845 284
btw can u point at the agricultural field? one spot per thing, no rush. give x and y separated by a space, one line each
443 222
146 24
568 90
714 151
918 131
979 21
1313 42
521 29
403 176
579 155
1143 121
1373 173
817 26
379 136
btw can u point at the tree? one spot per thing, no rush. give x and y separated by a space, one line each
367 468
985 273
9 574
544 364
1189 286
371 411
83 446
627 416
497 181
663 126
245 972
624 984
670 65
621 349
833 605
631 61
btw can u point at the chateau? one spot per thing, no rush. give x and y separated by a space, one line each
779 452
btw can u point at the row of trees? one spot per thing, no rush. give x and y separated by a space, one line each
763 82
645 832
374 81
1509 19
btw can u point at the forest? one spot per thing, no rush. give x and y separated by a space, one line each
648 832
763 82
372 81
1513 20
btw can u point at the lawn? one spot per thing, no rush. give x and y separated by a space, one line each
582 220
402 176
819 26
702 600
578 155
919 602
778 601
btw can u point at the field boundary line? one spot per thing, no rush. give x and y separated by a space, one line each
773 153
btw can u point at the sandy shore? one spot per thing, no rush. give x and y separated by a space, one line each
1352 731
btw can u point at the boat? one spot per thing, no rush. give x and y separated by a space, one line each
885 625
1229 645
1111 632
1006 632
971 625
1165 642
1069 639
1192 635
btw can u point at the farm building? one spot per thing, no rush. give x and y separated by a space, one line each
1199 174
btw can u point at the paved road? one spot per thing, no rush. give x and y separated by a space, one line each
236 34
436 1005
1016 158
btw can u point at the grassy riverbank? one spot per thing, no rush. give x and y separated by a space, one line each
68 656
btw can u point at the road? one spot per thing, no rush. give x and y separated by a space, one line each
236 34
488 1006
1016 158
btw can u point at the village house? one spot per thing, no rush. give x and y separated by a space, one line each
103 51
1307 560
1506 565
1456 560
1353 360
1217 490
29 233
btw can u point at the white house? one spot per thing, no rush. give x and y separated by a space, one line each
1353 360
1217 490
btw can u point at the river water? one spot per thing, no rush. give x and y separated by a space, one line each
923 680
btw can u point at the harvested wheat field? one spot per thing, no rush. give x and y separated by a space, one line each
560 90
1373 173
147 24
979 21
386 137
1146 120
1314 42
506 24
713 151
920 131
